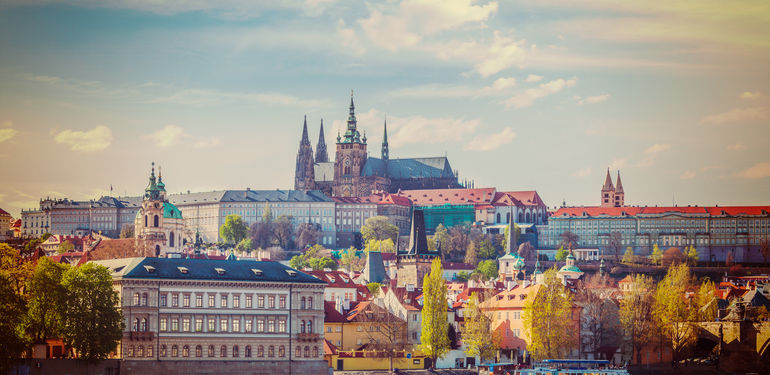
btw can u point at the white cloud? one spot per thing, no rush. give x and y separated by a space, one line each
736 147
492 141
618 163
8 132
503 83
583 172
503 53
168 136
759 170
658 147
532 78
526 98
206 143
687 175
737 115
497 88
592 99
751 95
96 139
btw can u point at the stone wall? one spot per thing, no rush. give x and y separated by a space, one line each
223 367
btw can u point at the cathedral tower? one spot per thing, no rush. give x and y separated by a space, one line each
158 225
385 149
350 157
619 193
608 192
321 156
304 173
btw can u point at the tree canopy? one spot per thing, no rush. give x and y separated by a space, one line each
548 320
435 337
636 314
476 333
488 269
234 229
47 299
671 311
378 228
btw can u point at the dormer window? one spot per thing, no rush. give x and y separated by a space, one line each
291 273
183 270
149 269
257 271
220 271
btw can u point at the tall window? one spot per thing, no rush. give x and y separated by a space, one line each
298 352
186 300
271 351
186 324
271 302
248 324
155 221
174 351
307 351
163 300
149 351
198 324
309 303
223 351
271 326
163 324
212 326
309 326
223 301
248 301
302 303
260 325
198 300
211 351
171 239
282 351
282 302
174 300
144 325
136 299
315 352
212 303
236 301
144 299
135 327
260 351
302 327
247 351
236 324
163 351
261 302
175 324
145 221
223 325
140 351
281 326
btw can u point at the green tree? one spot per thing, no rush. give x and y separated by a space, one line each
313 259
476 333
441 236
374 288
487 268
486 250
65 247
378 228
671 311
462 276
636 314
350 260
516 235
383 246
435 327
692 255
47 300
656 254
17 270
234 229
628 256
706 301
93 323
548 320
13 341
283 230
267 214
318 264
561 254
246 245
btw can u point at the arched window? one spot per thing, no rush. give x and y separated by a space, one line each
309 326
498 217
298 352
171 239
186 351
174 351
315 352
223 351
140 351
302 327
145 221
247 351
136 299
144 325
521 217
528 218
260 351
135 327
309 303
282 351
211 350
144 299
157 250
199 351
307 351
163 350
271 351
302 303
130 351
155 221
235 351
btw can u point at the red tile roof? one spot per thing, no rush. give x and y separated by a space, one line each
4 212
395 199
646 210
517 198
434 197
329 348
334 279
331 315
17 223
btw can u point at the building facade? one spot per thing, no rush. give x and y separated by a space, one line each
158 227
107 215
203 311
351 214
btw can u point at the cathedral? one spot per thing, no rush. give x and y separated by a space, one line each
159 225
612 195
353 173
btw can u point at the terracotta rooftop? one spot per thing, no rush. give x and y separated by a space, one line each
436 197
517 198
646 210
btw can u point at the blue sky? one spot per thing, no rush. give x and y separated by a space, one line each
520 95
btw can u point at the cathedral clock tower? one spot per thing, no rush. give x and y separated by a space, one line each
350 158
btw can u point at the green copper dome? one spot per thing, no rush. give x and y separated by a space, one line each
171 212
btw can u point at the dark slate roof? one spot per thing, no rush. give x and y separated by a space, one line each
250 196
404 169
204 269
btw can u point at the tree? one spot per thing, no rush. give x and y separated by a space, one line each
599 317
47 300
487 268
65 247
471 254
374 288
548 320
527 251
441 237
94 323
764 248
476 333
569 240
706 302
350 260
387 333
127 231
234 229
628 256
383 246
313 259
692 255
378 228
283 230
307 235
318 264
561 254
461 238
672 256
261 234
615 241
671 310
12 338
462 276
516 234
434 338
656 254
17 270
486 250
246 245
636 317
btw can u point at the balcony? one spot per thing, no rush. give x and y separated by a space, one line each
139 336
310 337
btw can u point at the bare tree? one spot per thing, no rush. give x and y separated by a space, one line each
386 332
283 230
569 240
614 243
307 235
527 251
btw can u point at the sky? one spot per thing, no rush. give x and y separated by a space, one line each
520 95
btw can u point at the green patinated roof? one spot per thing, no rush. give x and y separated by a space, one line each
170 211
570 269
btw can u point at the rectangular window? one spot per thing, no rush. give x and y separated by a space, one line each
175 324
271 326
236 301
260 325
261 302
247 325
282 302
163 325
174 300
198 324
248 301
163 300
186 324
223 301
199 300
271 302
186 300
212 302
223 325
236 325
212 324
281 326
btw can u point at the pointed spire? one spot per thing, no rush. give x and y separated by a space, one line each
608 182
305 139
619 185
385 148
321 155
352 116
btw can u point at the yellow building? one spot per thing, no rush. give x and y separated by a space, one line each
364 326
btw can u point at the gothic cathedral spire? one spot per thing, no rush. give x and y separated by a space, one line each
608 192
321 156
385 150
304 173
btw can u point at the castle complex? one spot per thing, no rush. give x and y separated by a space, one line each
353 173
